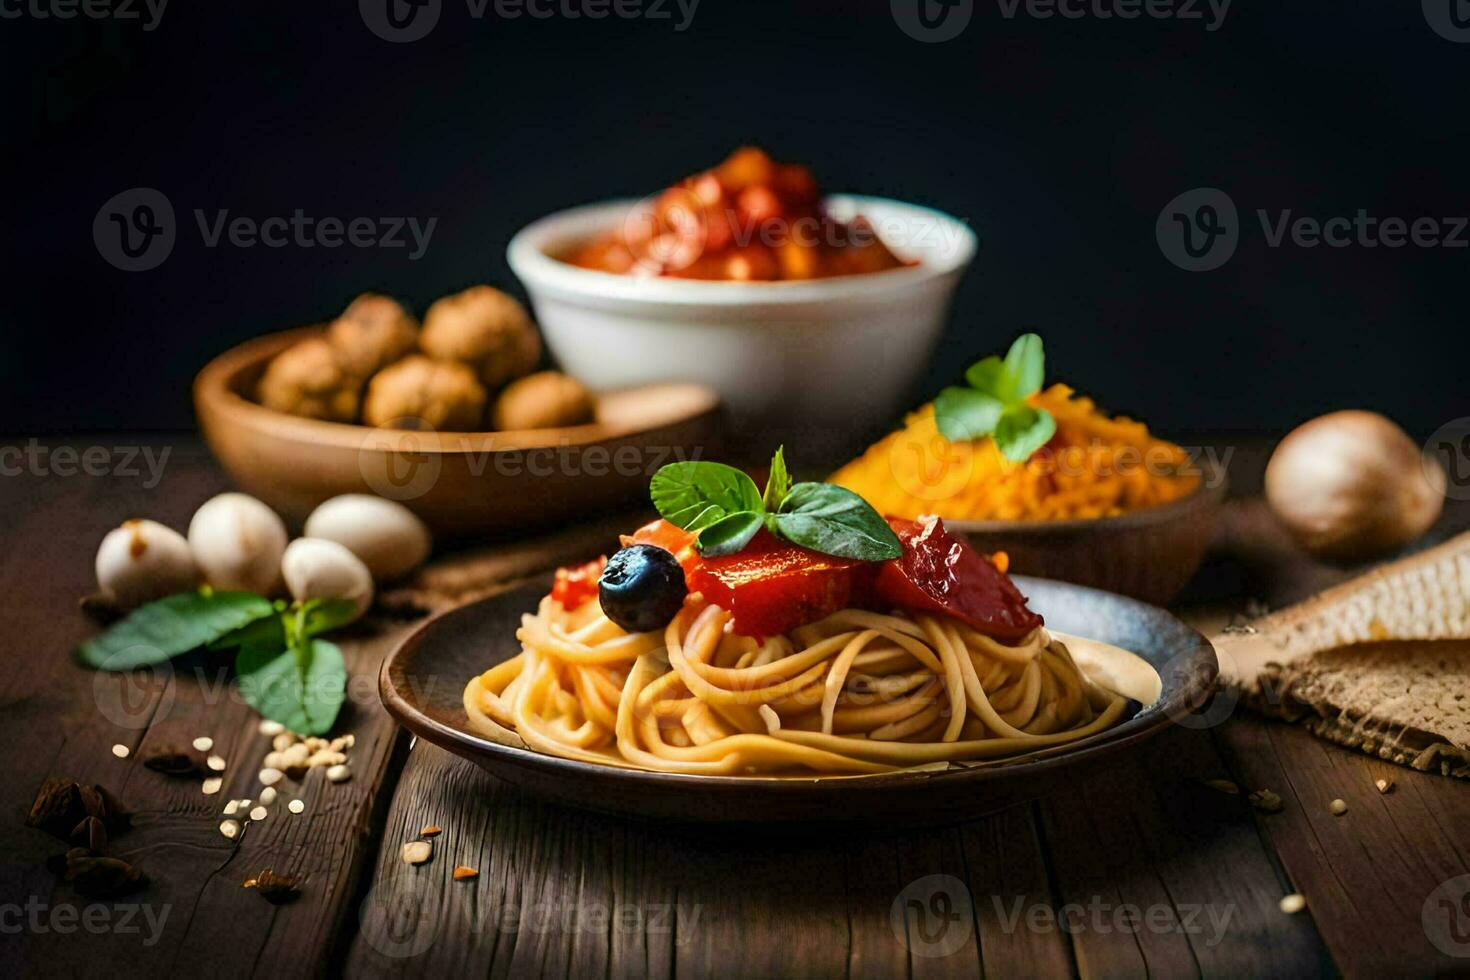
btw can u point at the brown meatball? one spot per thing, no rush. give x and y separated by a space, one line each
485 329
545 400
308 379
421 393
373 332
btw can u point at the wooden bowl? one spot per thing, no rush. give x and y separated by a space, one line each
459 483
422 684
1148 554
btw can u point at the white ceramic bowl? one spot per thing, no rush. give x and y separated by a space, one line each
823 360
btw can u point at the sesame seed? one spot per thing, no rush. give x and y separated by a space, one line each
270 729
296 806
268 796
339 774
230 828
417 851
269 777
217 763
232 807
259 813
204 743
121 751
1293 904
212 785
1384 785
1338 807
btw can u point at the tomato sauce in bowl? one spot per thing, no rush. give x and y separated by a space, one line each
747 219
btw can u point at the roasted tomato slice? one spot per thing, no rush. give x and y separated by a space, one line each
576 585
941 573
772 587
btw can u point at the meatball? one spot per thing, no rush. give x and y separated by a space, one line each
485 329
545 400
373 332
420 392
308 379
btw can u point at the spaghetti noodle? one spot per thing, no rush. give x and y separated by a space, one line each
854 692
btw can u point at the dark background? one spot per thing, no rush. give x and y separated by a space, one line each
1059 140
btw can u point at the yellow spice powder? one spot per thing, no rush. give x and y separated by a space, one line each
1095 466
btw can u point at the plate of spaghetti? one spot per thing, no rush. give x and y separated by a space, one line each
792 655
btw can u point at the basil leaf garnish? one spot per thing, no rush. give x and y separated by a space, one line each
995 403
177 624
729 535
835 521
778 484
693 495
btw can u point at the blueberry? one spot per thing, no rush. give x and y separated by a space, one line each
642 588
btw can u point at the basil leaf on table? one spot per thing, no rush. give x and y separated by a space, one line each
268 634
302 688
177 624
324 615
693 495
728 535
835 521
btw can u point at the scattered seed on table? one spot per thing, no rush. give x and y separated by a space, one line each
296 806
1223 785
120 750
417 851
1384 785
283 741
212 785
244 804
230 828
1266 801
259 813
232 807
462 873
1293 903
268 796
430 831
339 774
269 777
1338 807
216 762
204 743
270 729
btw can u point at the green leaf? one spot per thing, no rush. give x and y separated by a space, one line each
991 377
324 615
964 413
268 633
730 534
160 630
778 484
1026 364
302 688
1023 430
693 495
835 521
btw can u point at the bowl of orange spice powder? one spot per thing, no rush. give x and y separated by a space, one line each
1048 481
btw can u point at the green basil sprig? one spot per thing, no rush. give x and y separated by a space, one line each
285 671
995 404
724 508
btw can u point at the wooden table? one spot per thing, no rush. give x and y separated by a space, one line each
1139 868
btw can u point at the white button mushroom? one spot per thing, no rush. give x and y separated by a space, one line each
387 536
142 561
237 543
316 568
